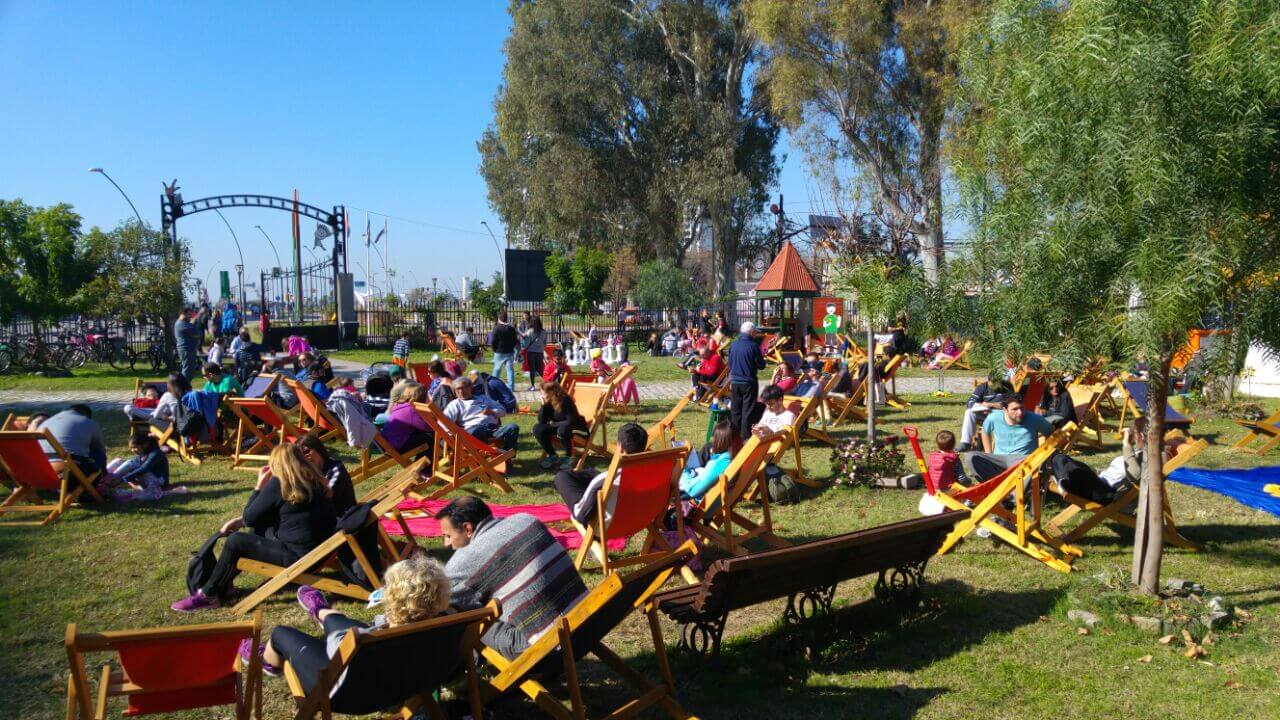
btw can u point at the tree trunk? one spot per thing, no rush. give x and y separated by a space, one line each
1148 543
871 383
726 254
932 248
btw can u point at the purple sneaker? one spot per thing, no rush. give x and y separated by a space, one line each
246 645
196 601
313 601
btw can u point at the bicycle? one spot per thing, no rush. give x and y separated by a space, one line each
156 355
82 347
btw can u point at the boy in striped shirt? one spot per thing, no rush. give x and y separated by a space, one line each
400 351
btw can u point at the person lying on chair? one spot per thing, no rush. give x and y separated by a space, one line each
1007 437
985 398
578 488
480 415
514 560
415 588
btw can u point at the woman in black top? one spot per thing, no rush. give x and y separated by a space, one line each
558 418
1056 405
342 492
288 515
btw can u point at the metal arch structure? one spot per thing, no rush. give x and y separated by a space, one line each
172 207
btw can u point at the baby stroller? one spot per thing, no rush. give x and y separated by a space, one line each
377 392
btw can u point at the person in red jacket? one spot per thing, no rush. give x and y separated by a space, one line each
554 367
707 371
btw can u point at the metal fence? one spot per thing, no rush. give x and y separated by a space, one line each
137 334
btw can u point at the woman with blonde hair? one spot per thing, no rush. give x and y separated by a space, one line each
415 589
288 514
405 429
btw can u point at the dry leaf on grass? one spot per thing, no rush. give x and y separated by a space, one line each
1165 640
1082 631
1231 684
1193 652
1144 659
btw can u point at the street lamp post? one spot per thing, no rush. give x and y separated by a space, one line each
502 258
104 174
240 267
273 245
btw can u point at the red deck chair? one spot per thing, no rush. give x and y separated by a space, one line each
639 487
314 415
170 669
30 470
420 373
260 427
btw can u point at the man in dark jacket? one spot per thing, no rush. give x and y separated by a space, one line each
985 398
187 332
745 361
504 342
494 389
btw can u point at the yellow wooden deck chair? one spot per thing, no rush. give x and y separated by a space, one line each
1267 430
582 631
458 458
663 433
809 423
24 462
845 408
773 351
1118 510
718 519
854 354
615 384
405 664
15 422
638 490
959 361
1018 528
889 380
592 401
167 669
314 567
717 389
1086 399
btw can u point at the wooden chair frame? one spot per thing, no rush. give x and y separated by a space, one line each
25 498
458 458
1268 430
663 433
717 519
596 534
1118 509
1089 423
809 423
306 569
570 636
317 701
615 384
267 389
889 380
313 415
841 408
1129 409
960 361
1022 482
248 412
117 684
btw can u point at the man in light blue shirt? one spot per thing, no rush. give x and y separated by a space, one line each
1008 436
480 415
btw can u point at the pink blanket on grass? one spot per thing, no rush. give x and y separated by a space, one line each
425 524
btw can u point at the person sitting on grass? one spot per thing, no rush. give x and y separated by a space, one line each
223 384
514 560
480 416
578 488
415 589
288 514
706 372
400 351
144 476
557 418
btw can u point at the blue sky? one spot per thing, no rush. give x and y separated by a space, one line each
376 109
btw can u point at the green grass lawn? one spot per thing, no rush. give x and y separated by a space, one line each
993 643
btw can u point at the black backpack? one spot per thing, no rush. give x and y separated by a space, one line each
200 567
188 422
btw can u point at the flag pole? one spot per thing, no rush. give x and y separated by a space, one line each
386 259
297 260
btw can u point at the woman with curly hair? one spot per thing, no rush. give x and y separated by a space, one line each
416 588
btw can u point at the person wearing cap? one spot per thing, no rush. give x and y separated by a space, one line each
187 331
746 360
599 367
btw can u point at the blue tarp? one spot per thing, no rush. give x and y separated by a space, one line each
1245 486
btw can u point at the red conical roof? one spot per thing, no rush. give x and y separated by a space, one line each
788 273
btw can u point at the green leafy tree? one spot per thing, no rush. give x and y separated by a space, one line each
44 260
1120 160
488 299
866 82
577 282
138 275
661 285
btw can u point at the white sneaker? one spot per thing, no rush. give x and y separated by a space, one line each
983 532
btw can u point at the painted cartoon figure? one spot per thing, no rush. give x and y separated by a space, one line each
831 327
